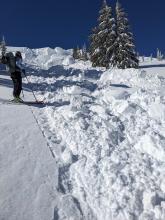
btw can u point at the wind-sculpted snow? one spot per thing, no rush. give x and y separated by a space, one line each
108 138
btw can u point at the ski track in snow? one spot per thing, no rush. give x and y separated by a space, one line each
106 130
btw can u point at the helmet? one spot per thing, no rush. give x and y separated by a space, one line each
18 54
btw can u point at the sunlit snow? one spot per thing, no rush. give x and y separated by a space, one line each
102 131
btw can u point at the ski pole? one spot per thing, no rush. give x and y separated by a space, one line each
30 86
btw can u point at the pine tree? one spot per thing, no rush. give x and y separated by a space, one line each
84 55
76 53
102 38
3 47
151 57
159 55
124 53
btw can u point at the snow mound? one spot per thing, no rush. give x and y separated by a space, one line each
130 77
44 57
68 61
157 111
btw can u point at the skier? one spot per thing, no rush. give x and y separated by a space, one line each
15 67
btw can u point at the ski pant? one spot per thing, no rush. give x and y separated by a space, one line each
17 82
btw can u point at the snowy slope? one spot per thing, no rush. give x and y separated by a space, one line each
106 130
28 172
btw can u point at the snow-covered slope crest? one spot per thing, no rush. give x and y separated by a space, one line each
45 57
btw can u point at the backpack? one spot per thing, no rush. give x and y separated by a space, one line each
10 61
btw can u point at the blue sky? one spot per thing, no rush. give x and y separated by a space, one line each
64 23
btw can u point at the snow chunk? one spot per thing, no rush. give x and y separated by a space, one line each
157 111
147 145
73 90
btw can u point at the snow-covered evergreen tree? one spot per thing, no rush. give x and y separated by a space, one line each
124 53
3 46
102 38
76 53
159 55
151 57
84 55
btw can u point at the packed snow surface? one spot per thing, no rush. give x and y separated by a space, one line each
105 131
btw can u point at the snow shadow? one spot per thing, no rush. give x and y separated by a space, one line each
56 216
93 74
42 105
59 84
84 84
54 71
2 67
4 73
59 70
48 104
8 83
120 85
151 66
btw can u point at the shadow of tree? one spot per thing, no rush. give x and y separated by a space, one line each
151 66
59 70
2 67
4 73
8 83
93 74
63 83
